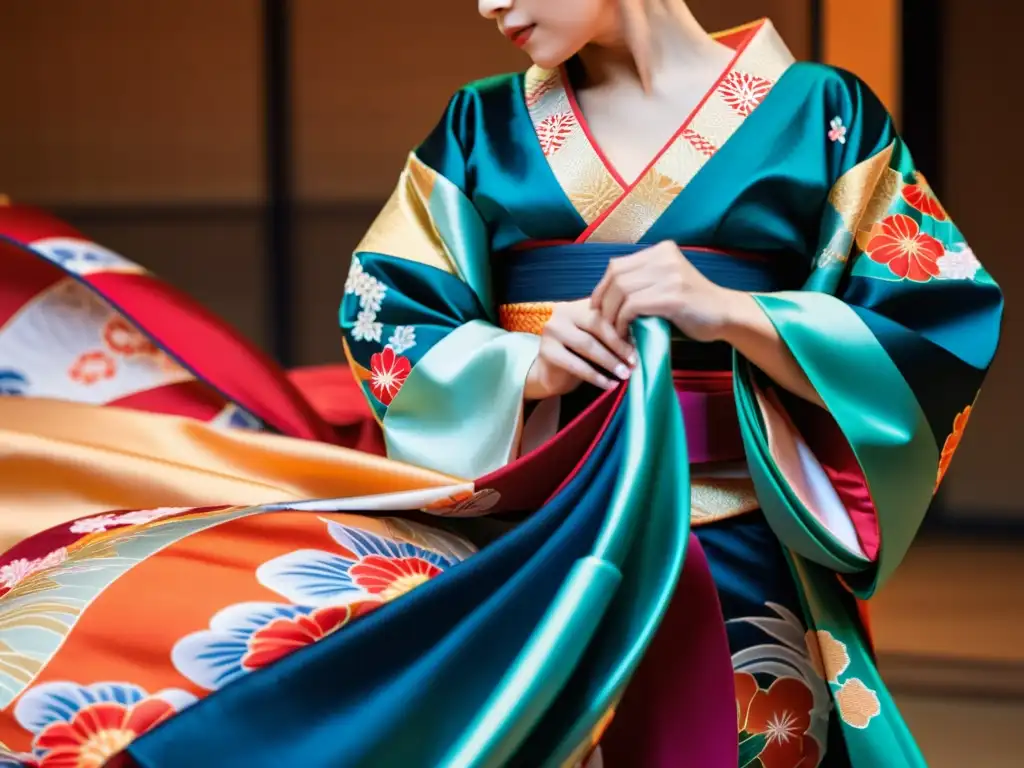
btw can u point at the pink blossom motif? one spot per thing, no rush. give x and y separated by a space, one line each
17 571
101 523
744 92
79 726
554 130
837 131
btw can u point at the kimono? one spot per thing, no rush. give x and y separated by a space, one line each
211 563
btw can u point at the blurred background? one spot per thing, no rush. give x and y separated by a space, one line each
239 148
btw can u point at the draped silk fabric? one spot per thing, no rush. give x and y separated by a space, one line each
206 563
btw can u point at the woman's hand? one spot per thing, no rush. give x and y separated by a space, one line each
575 345
660 282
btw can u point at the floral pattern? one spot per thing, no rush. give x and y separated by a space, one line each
125 339
744 92
788 719
960 264
466 504
952 443
105 522
921 198
16 571
369 566
248 636
403 339
326 591
92 367
910 254
13 383
388 373
782 715
82 257
554 130
371 292
76 726
836 130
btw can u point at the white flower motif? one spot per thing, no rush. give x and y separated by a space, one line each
371 293
355 274
403 339
837 131
19 570
366 327
96 524
959 265
102 523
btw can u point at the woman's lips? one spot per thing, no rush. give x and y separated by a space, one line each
520 35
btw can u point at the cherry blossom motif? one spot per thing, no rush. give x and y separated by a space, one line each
698 142
920 197
104 522
783 714
744 92
837 131
125 339
899 243
366 327
554 130
952 443
16 571
92 367
829 655
403 339
858 705
84 726
961 264
388 373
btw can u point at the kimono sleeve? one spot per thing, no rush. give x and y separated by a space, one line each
418 322
896 329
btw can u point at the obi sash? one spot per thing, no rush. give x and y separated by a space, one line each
529 282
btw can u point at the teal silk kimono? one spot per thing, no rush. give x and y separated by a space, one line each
789 180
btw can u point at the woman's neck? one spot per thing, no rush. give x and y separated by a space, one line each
678 46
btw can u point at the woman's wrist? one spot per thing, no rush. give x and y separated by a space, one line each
738 312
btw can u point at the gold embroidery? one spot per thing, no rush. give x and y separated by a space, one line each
719 498
582 175
751 77
854 192
858 705
404 228
528 317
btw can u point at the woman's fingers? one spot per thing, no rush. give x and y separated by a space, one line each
556 354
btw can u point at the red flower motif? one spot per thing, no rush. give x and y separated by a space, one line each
388 373
899 243
782 714
99 732
92 367
283 636
698 142
125 339
554 130
391 577
744 92
921 198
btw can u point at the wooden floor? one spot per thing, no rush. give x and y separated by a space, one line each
950 635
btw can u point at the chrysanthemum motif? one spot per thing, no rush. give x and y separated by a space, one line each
744 92
403 339
366 327
83 726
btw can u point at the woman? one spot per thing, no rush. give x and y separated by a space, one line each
799 327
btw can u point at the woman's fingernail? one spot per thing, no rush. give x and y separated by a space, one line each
632 358
622 372
605 383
